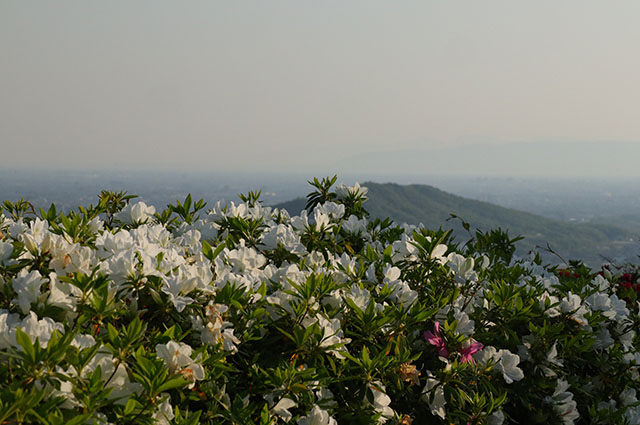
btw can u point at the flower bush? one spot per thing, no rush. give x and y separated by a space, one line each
118 314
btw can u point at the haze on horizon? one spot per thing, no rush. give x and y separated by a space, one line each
300 86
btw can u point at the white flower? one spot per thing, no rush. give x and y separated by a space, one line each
8 323
508 365
27 286
325 397
331 209
433 393
391 274
164 414
176 287
628 399
626 334
601 302
611 306
208 229
322 221
121 386
116 375
241 210
17 228
344 267
620 307
6 249
505 362
488 353
108 244
548 282
552 358
603 339
359 296
381 401
438 254
100 418
608 406
572 305
244 259
83 341
120 266
564 405
343 192
496 418
462 267
403 294
486 262
317 416
600 283
281 234
177 356
404 249
354 225
96 225
40 329
465 325
283 300
190 239
553 301
216 330
137 213
62 294
628 396
632 414
281 409
300 222
35 234
332 335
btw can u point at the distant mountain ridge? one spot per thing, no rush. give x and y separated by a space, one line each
433 207
552 158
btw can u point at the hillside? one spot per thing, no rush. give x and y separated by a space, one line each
428 205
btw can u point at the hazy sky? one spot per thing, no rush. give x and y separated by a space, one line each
296 84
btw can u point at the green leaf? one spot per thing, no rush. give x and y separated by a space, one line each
25 342
354 307
219 249
366 360
299 388
131 405
113 334
55 418
172 383
207 250
80 419
194 418
265 419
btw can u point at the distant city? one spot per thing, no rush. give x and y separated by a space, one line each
567 199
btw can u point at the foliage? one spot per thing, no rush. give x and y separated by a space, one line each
418 203
118 314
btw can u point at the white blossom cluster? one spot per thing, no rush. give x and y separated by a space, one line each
144 262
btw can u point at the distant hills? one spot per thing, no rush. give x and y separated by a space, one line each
425 204
551 159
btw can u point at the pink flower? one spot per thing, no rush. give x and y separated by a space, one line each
436 339
469 349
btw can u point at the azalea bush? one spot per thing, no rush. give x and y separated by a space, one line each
117 313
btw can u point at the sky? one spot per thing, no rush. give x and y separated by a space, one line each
301 85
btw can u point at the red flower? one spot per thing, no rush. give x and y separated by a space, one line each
436 339
470 350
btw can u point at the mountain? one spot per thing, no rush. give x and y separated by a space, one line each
432 207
